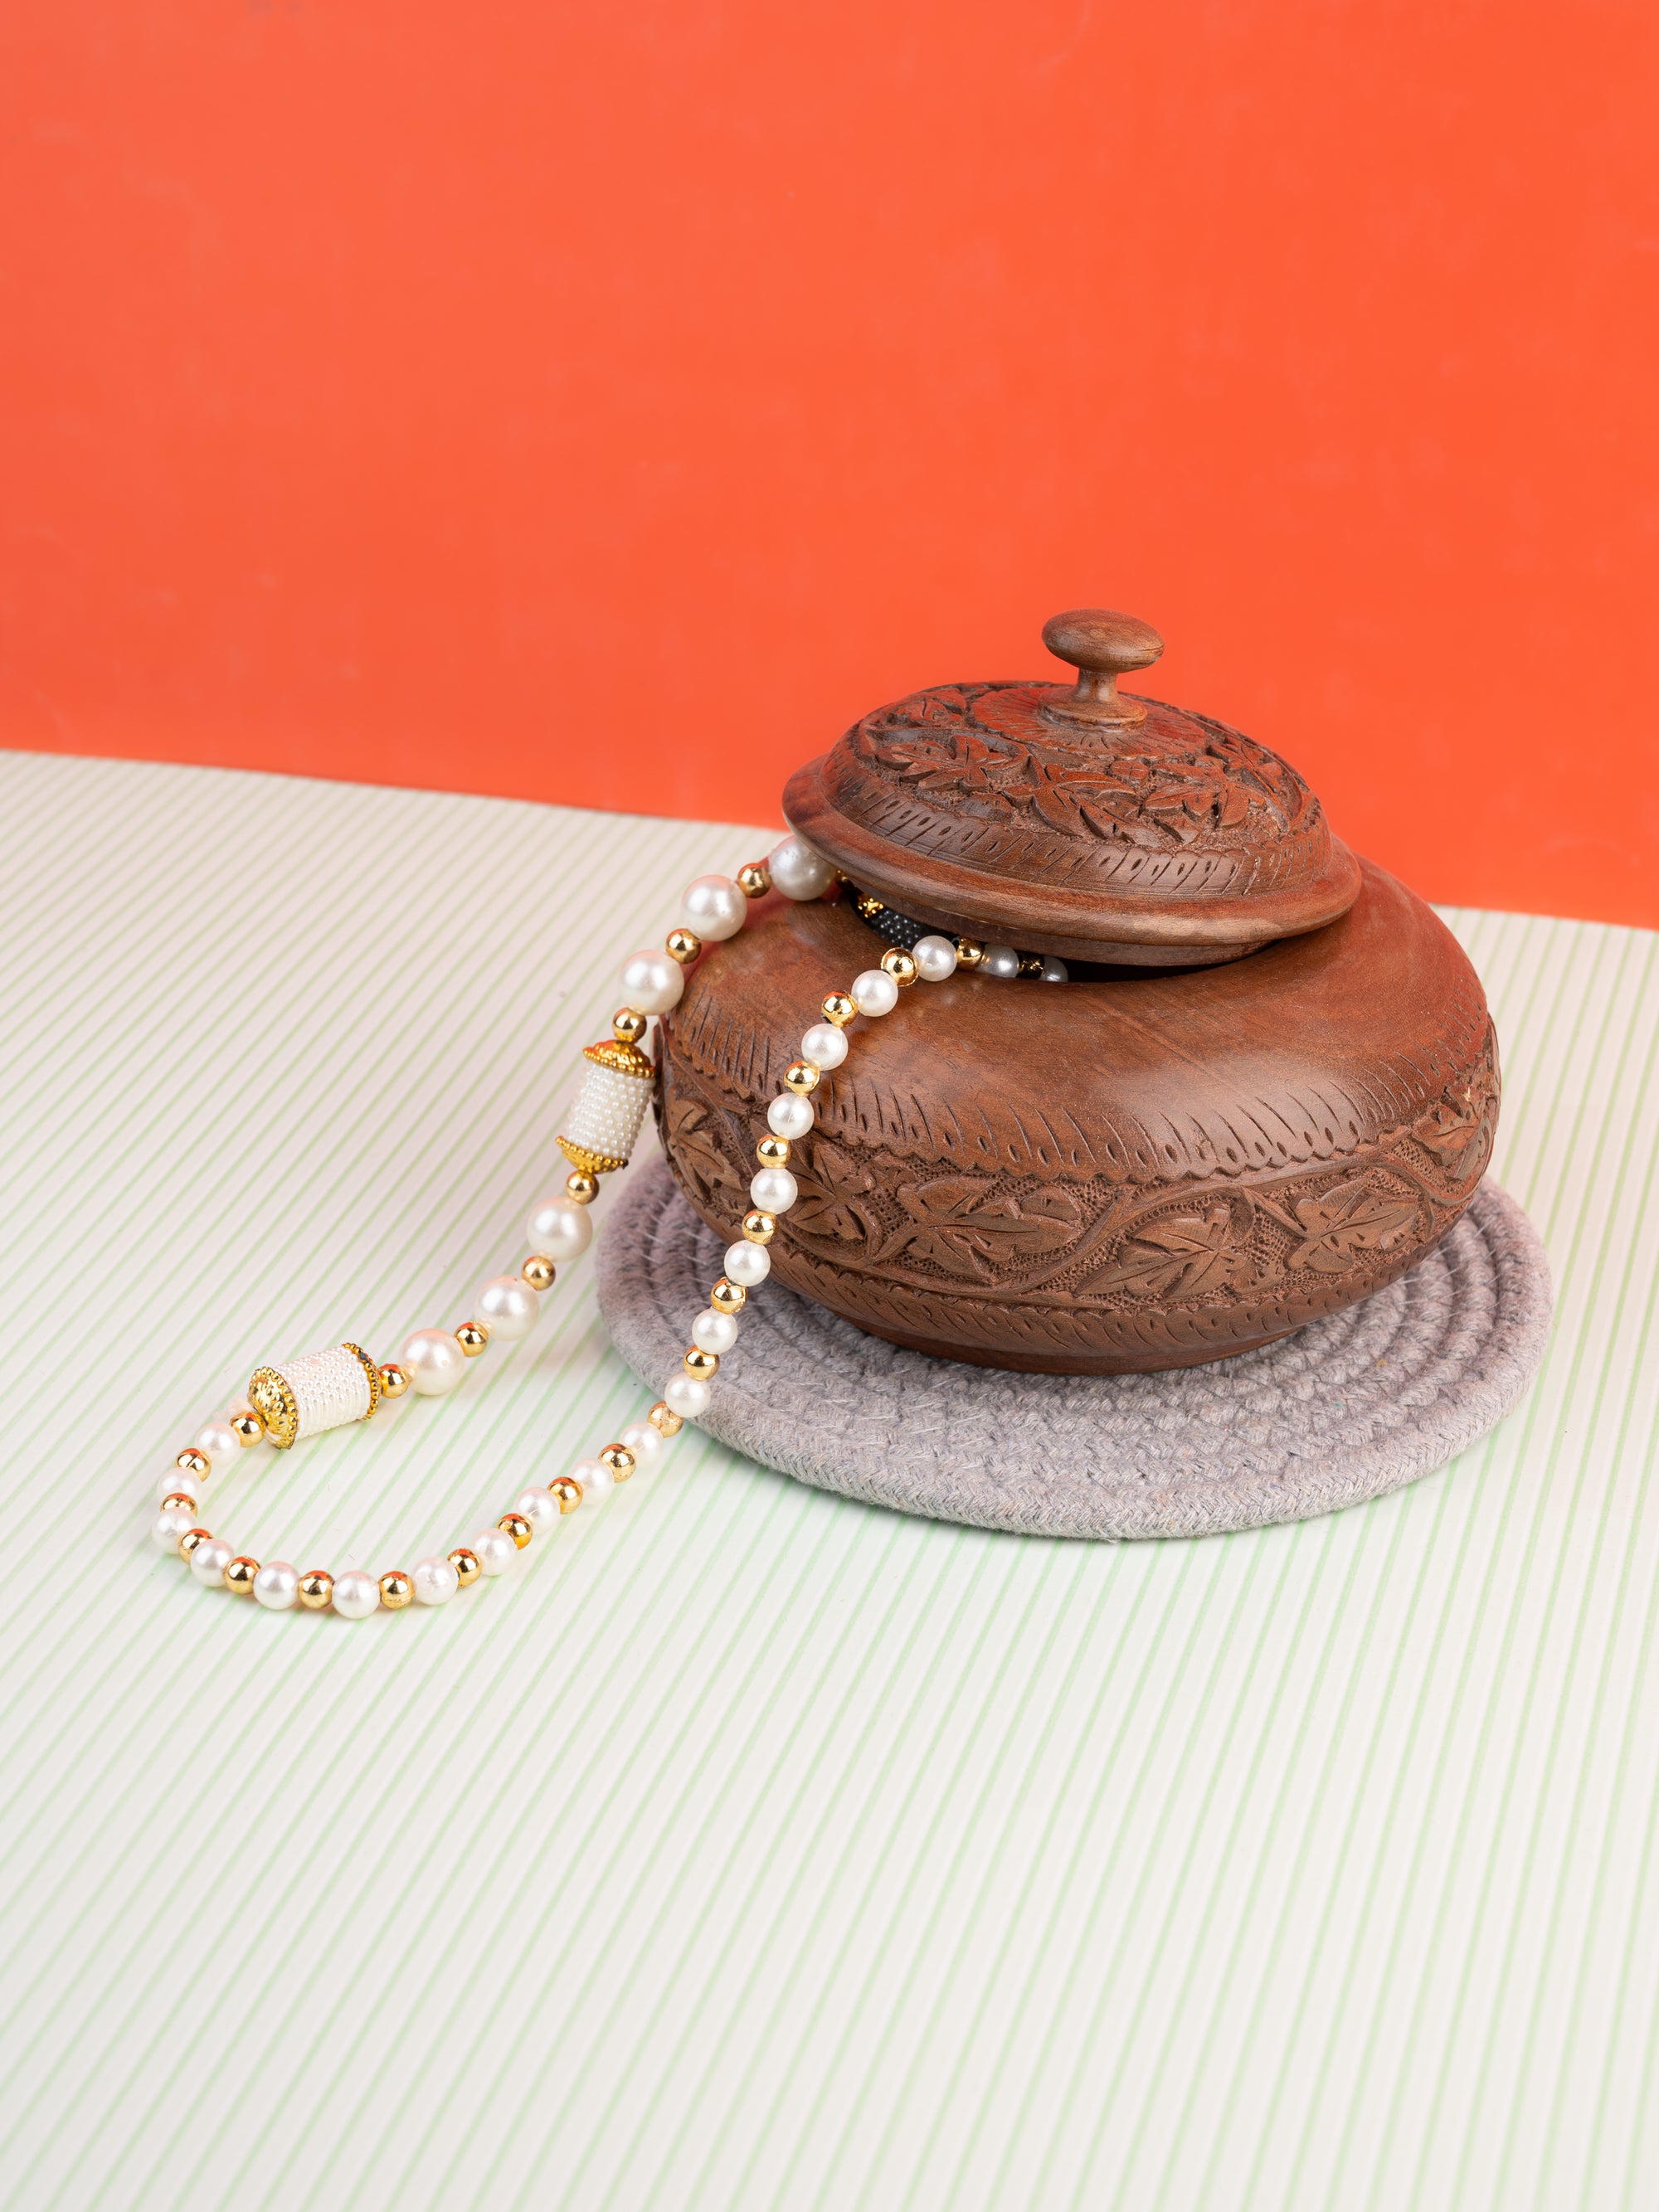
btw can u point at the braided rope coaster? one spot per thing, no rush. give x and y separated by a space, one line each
1346 1409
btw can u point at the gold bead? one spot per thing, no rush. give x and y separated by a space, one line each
1031 963
248 1426
517 1528
772 1152
177 1497
394 1379
626 1026
728 1298
472 1336
191 1461
466 1564
568 1491
316 1591
665 1420
759 1227
191 1539
396 1590
538 1271
755 880
581 1186
683 946
970 952
239 1575
700 1363
899 965
800 1076
839 1009
620 1460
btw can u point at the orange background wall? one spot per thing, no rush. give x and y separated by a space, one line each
605 400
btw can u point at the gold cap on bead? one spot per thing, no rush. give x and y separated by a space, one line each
622 1057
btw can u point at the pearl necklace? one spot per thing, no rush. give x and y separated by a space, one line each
326 1389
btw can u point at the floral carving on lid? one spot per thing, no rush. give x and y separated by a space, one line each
983 762
1091 816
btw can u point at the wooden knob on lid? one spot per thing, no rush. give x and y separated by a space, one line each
1102 645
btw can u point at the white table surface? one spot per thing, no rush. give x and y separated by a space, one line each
752 1848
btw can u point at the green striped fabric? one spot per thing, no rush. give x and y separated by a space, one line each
752 1848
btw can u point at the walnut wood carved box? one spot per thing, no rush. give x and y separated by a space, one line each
1230 1079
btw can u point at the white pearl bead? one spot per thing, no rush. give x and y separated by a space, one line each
209 1559
824 1045
935 958
689 1396
356 1595
220 1442
715 1332
596 1479
507 1307
278 1585
790 1116
176 1482
539 1508
747 1264
874 992
652 983
1055 971
494 1550
774 1189
645 1443
560 1229
170 1526
434 1360
797 871
1001 960
714 907
436 1582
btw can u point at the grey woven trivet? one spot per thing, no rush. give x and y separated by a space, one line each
1345 1409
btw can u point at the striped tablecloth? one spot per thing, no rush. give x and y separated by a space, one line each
753 1849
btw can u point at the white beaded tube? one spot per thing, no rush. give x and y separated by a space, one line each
324 1390
604 1125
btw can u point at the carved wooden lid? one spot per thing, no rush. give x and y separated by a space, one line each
1074 821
